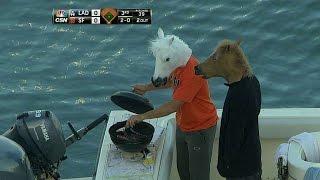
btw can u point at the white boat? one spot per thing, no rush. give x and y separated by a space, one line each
276 127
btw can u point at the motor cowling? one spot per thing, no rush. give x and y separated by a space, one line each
40 134
14 161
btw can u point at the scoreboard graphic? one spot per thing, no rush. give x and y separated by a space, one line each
101 16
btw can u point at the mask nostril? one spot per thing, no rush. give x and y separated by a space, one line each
197 70
155 82
164 82
159 81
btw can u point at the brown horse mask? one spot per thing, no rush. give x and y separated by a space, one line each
227 58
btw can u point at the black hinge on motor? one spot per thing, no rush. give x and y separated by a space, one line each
74 132
282 169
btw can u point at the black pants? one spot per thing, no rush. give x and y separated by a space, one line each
256 176
194 151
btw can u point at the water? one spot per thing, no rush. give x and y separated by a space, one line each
73 70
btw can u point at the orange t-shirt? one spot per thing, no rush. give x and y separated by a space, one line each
197 112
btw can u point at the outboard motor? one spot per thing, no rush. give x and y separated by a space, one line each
40 135
15 164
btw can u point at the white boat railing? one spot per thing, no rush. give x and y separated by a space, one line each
281 123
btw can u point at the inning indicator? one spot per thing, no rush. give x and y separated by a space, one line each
102 16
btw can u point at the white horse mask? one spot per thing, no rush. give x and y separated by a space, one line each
170 53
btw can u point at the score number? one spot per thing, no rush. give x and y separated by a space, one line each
125 20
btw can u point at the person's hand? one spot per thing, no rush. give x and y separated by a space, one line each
140 89
134 119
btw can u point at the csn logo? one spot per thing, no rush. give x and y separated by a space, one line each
61 16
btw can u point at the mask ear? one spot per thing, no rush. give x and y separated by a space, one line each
160 33
171 41
238 42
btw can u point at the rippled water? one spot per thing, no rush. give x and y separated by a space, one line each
73 70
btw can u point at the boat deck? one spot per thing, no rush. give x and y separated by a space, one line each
276 126
111 165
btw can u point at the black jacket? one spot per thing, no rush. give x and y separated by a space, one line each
239 143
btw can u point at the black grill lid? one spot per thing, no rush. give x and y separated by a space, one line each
131 102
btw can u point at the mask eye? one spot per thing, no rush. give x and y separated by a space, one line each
168 59
214 56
